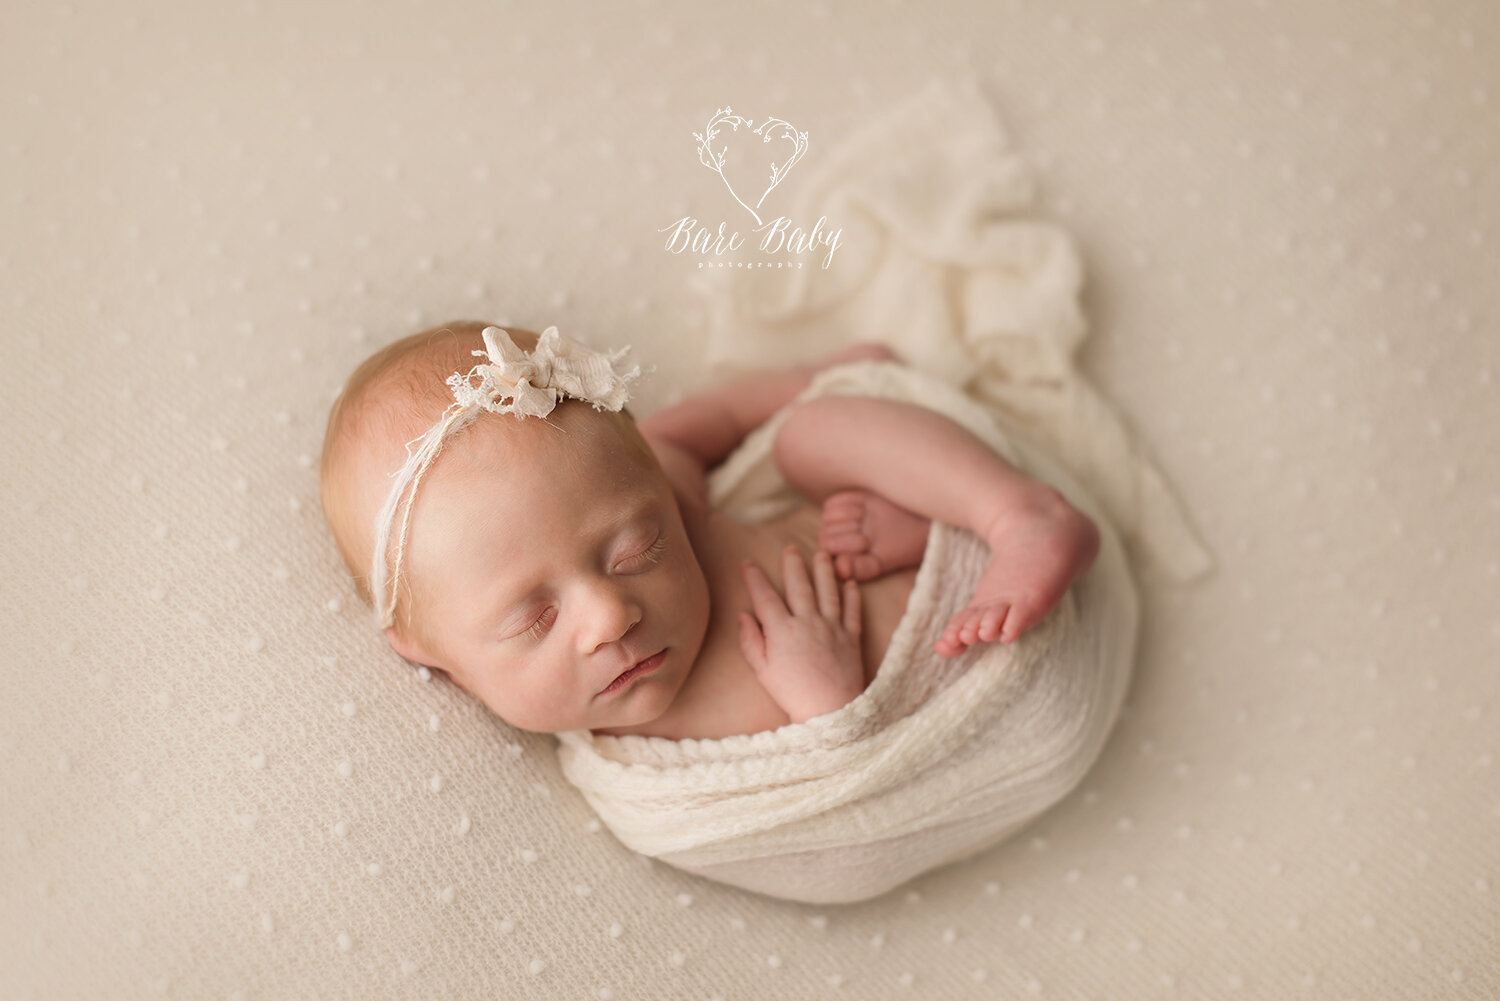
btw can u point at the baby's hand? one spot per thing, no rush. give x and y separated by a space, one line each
804 650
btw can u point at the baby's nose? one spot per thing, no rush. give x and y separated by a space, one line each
612 613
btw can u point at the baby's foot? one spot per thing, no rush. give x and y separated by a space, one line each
869 536
1037 549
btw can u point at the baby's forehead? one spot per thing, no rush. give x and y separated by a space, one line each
502 479
573 435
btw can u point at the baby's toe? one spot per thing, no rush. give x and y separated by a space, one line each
991 621
844 509
863 566
842 541
1015 624
967 623
836 514
948 645
856 566
845 500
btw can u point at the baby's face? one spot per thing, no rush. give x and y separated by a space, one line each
546 564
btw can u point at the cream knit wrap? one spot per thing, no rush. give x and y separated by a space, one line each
939 758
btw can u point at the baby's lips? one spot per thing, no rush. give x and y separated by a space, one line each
628 668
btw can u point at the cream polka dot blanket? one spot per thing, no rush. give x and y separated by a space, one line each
939 758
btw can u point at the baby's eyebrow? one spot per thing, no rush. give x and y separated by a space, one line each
507 602
629 516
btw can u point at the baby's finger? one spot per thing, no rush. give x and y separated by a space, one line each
852 622
800 599
827 586
763 597
752 641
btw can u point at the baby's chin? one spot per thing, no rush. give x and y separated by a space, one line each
618 720
619 723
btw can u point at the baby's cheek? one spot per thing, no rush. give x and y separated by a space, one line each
695 603
546 704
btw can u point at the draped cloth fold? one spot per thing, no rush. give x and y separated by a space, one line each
944 258
937 759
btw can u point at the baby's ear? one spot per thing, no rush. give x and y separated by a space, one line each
408 647
413 651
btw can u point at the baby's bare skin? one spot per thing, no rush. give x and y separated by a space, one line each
571 574
723 695
1037 548
868 535
905 461
899 459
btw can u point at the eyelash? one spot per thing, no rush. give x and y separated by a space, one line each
537 628
652 555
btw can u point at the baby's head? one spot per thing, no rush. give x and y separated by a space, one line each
543 558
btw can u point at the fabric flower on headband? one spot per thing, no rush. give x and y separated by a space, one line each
527 384
530 385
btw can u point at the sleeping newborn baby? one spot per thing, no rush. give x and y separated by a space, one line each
565 567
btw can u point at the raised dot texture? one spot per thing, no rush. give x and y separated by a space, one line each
1282 218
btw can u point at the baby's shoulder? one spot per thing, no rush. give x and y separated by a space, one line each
684 472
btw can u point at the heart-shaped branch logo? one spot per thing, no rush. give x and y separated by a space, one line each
772 129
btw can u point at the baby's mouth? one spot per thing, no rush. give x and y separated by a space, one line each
639 669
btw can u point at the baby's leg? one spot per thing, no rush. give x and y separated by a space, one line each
930 465
869 536
1036 550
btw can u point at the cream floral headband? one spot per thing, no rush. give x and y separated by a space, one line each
511 382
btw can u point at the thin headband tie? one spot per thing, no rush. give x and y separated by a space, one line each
512 381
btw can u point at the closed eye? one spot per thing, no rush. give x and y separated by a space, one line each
541 625
645 559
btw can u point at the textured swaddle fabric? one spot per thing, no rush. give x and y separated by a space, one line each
217 783
939 758
947 261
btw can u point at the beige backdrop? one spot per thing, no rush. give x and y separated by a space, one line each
218 784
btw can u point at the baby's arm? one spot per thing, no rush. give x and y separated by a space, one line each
908 454
930 465
709 425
